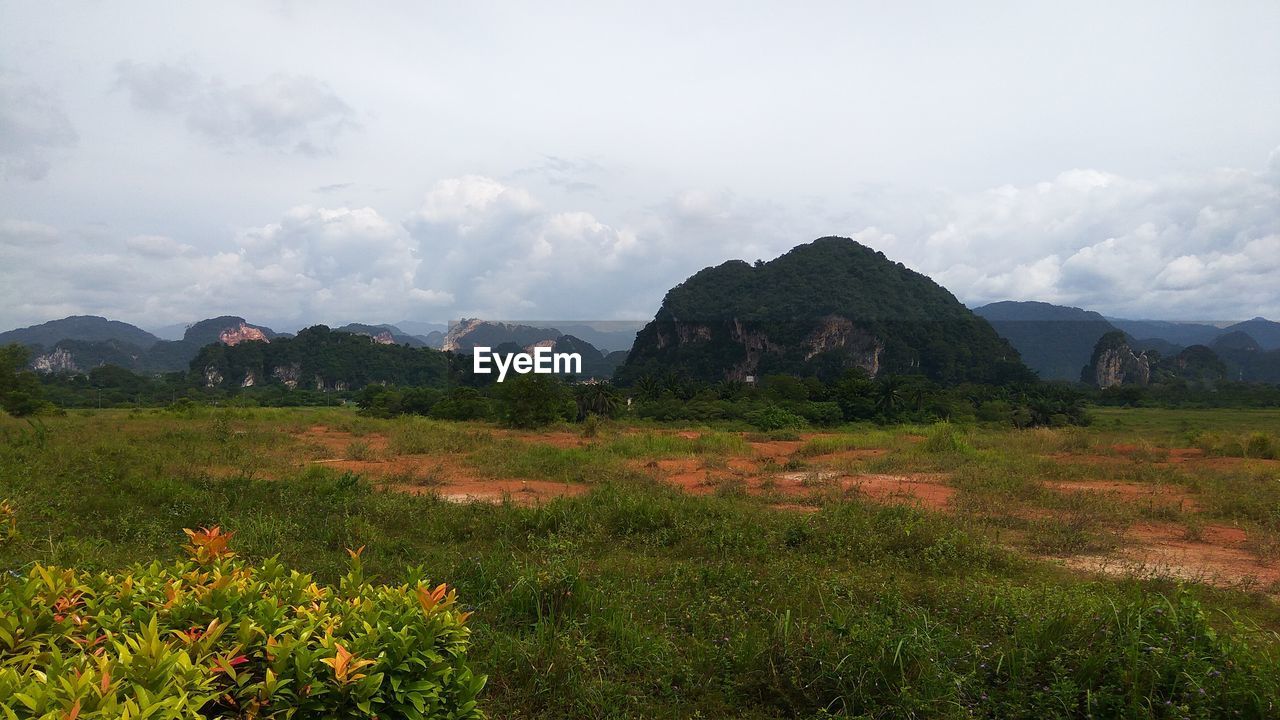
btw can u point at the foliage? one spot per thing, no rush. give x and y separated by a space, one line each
213 636
770 319
772 417
530 401
20 392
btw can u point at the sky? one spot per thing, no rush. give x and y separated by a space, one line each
304 162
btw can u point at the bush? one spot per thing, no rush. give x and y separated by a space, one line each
530 401
217 637
772 417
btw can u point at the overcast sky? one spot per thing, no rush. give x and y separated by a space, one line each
300 162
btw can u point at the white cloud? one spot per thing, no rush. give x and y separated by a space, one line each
1191 246
289 112
156 246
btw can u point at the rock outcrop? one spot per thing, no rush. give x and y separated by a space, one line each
1115 363
58 361
241 333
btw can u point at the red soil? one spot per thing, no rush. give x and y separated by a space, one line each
1216 556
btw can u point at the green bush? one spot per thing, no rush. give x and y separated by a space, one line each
772 417
215 637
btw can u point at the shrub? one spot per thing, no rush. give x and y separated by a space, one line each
772 417
213 636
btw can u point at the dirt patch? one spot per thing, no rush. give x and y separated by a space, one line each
1164 496
1216 556
847 456
520 492
779 451
929 490
337 443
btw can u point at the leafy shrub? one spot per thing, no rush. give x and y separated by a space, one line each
530 401
217 637
772 417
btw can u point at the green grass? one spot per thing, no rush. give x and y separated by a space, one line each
637 601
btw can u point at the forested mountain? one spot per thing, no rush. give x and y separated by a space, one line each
86 328
1177 334
1265 332
318 358
385 334
470 333
822 308
1054 340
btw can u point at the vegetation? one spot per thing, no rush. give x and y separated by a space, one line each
822 308
214 636
637 600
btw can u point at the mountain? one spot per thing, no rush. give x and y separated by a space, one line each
226 329
318 358
470 333
1264 331
1054 340
821 308
1179 334
385 334
1245 358
420 328
1113 362
85 328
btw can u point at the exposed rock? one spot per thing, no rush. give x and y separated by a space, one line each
383 338
288 375
1114 363
243 333
250 379
862 349
212 377
58 361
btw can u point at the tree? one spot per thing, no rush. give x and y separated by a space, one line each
529 401
20 391
597 399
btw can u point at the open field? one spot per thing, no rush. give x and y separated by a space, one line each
633 571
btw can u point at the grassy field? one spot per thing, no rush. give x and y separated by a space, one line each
654 572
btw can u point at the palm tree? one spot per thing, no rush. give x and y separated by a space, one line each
889 396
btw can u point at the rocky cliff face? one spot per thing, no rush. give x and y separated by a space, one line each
242 333
1122 367
1115 363
58 361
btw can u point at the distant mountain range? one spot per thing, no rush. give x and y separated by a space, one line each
822 307
81 343
1058 341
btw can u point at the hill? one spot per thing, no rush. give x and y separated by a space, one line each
1054 340
319 358
470 333
85 328
1177 334
384 334
822 308
1264 331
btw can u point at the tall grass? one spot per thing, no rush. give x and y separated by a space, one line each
638 601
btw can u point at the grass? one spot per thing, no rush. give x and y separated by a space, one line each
636 601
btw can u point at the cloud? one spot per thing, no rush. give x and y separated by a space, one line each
156 246
33 128
1184 246
295 113
1189 246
